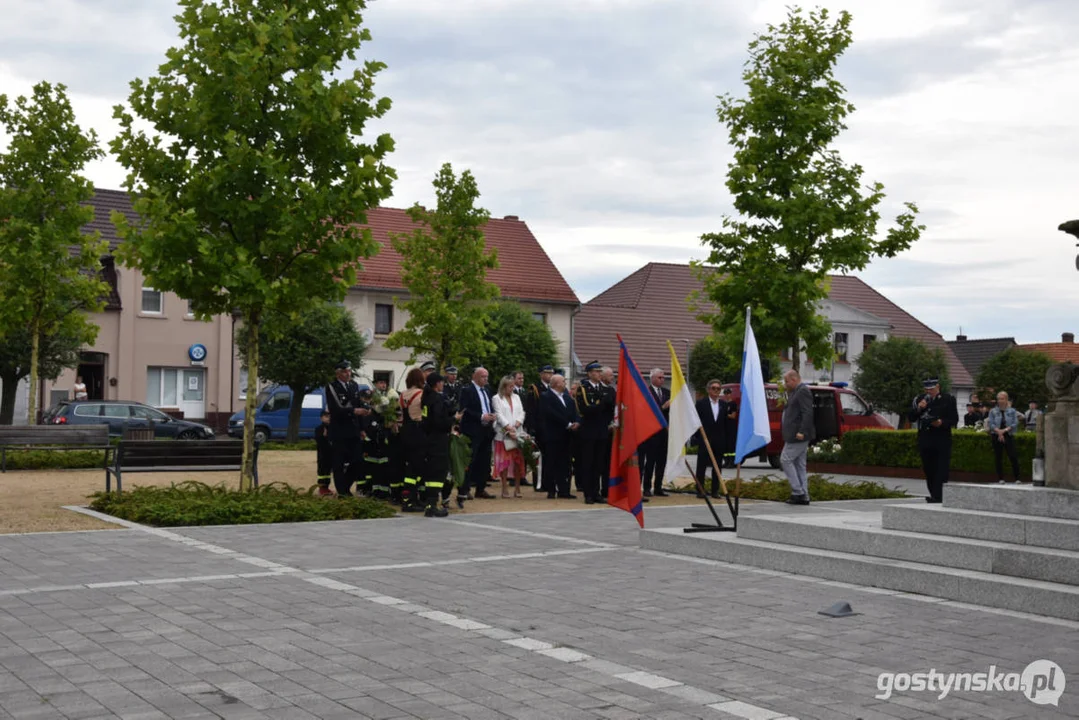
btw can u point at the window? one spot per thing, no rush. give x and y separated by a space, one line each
242 384
145 413
542 317
161 387
868 340
383 376
852 404
383 319
280 401
841 347
312 401
152 302
117 411
190 308
88 410
785 354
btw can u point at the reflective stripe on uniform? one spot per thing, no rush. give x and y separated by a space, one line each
377 460
411 481
435 484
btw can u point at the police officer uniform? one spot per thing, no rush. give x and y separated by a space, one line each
592 401
451 391
343 399
934 421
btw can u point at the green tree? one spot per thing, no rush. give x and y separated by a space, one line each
1020 373
56 352
890 373
802 212
713 358
253 197
48 265
517 340
301 350
444 264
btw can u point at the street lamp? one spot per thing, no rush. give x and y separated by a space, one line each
840 349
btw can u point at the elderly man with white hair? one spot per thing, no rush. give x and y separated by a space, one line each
652 455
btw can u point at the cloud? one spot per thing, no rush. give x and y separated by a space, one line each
594 121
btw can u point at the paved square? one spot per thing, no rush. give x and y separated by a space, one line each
516 615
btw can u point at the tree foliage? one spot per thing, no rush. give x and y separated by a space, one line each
1020 373
713 358
518 341
56 353
252 195
891 372
301 351
444 264
48 265
802 212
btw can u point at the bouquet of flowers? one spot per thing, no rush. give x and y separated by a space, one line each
529 451
385 404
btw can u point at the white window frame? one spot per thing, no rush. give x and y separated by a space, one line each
160 301
390 306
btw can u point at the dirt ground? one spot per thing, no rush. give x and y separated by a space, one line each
33 501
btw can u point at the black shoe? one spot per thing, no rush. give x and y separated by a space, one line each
460 503
646 493
798 500
434 511
589 501
661 493
644 500
412 508
932 500
567 496
525 483
715 494
551 496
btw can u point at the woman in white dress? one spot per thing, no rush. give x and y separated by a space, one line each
509 426
79 390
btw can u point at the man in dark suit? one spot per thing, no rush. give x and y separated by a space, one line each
533 421
798 432
558 421
712 410
934 414
477 423
347 407
653 451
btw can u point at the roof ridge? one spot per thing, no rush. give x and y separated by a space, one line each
885 298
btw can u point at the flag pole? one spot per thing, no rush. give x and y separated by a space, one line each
698 527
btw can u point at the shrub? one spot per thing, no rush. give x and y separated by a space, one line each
971 451
54 459
767 487
298 445
196 503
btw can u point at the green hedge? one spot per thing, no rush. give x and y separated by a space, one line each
821 488
971 451
194 503
55 459
298 445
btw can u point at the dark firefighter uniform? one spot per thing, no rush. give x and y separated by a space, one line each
591 400
437 424
934 423
324 456
342 400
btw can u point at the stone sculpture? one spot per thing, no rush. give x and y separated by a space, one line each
1061 427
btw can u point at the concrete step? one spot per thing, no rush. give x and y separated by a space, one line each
862 533
982 525
1014 499
968 586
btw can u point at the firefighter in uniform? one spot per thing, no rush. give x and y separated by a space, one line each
347 410
413 441
533 426
934 414
437 424
592 402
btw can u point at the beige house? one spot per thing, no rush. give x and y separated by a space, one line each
150 348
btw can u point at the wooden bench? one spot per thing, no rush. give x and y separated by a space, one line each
53 437
133 456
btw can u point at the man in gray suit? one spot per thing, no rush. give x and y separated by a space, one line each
798 432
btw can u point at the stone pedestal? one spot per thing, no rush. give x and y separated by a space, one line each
1061 428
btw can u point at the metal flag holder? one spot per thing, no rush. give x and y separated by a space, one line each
719 526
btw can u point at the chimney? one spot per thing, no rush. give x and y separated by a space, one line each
1067 338
511 217
960 338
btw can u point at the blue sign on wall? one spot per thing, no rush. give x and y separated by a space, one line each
197 352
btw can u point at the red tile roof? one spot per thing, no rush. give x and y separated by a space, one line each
1060 352
525 271
650 307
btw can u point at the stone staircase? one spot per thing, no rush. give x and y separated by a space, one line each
1004 546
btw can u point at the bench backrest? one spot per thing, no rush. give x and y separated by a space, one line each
54 435
179 453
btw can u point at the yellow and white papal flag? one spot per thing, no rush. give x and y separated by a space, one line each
684 420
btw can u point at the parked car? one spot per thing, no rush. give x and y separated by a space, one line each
271 414
836 410
120 415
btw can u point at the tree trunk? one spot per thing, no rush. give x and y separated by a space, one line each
35 350
7 402
796 357
295 413
251 325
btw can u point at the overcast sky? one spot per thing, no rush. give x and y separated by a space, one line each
594 121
